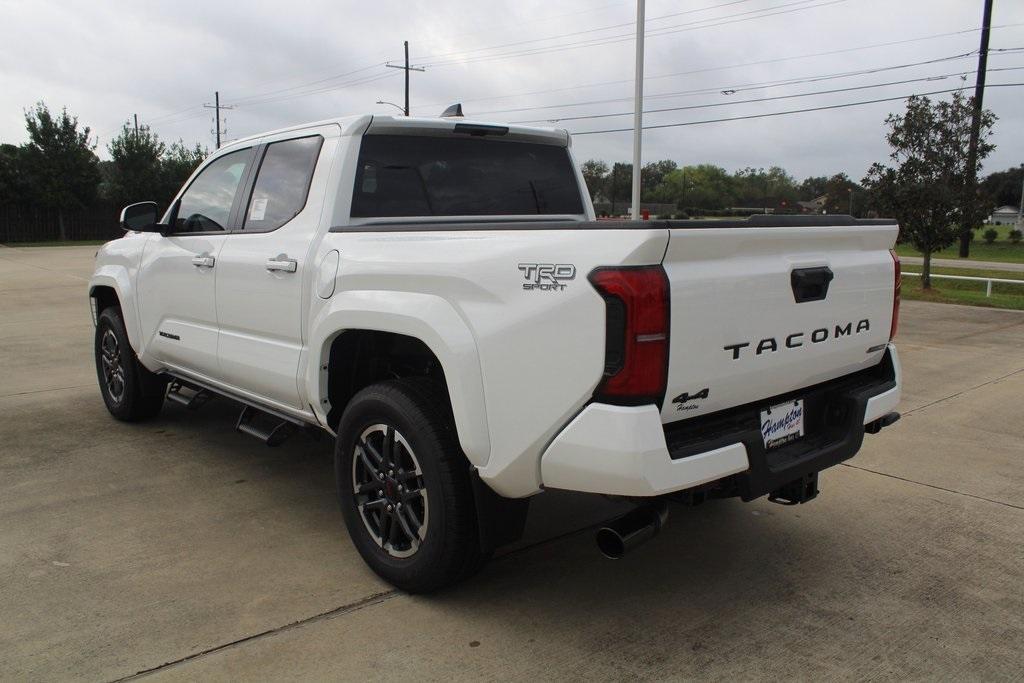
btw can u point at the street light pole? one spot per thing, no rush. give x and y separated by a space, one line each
396 106
638 106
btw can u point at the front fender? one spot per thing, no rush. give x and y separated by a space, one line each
426 317
117 277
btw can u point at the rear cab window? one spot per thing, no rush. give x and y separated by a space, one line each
282 183
412 175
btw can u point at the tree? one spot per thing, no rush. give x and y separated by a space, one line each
177 165
925 185
813 187
595 175
841 193
620 187
758 187
704 186
60 168
12 182
1003 188
652 175
136 172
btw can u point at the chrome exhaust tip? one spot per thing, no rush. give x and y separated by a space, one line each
622 534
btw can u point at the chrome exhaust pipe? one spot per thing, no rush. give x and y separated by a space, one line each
624 533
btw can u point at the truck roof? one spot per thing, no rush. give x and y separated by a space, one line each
402 125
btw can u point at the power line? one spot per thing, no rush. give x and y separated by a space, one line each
668 30
318 91
791 111
591 30
772 99
242 100
761 62
732 89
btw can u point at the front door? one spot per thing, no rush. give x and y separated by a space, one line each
263 270
177 274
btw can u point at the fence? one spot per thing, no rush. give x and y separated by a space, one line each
41 224
988 280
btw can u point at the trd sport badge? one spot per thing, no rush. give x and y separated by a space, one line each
547 277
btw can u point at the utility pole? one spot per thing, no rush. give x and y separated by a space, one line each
217 106
1020 206
638 106
970 200
136 127
407 69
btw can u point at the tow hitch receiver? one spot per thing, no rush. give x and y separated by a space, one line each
881 423
796 492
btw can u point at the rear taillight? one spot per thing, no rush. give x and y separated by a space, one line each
898 282
636 341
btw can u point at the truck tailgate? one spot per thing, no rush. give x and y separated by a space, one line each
748 319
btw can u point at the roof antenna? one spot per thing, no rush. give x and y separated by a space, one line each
453 111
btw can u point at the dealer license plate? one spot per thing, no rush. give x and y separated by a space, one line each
782 423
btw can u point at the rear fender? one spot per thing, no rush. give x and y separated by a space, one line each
426 317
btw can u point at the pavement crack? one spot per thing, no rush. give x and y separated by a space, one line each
368 601
964 391
979 333
43 391
933 486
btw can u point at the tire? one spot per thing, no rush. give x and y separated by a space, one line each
432 538
130 391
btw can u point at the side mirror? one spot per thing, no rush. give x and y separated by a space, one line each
140 217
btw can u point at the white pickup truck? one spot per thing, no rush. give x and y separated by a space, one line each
437 294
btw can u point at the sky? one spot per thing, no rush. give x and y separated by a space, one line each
279 64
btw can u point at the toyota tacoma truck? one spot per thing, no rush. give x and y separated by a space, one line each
437 295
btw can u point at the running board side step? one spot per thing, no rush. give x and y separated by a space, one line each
195 399
271 430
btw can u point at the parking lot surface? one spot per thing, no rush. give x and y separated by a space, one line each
180 549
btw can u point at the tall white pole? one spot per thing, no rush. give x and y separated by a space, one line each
638 106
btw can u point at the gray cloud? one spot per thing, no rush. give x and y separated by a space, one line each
106 61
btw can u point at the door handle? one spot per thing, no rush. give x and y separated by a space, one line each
203 261
282 263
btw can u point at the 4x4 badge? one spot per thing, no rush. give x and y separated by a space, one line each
685 397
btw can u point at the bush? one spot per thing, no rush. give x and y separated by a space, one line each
1016 235
990 235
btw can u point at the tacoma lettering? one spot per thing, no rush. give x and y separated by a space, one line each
818 336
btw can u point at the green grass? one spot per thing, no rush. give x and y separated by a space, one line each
56 243
1000 250
966 292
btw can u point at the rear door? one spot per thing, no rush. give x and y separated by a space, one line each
263 271
761 311
176 281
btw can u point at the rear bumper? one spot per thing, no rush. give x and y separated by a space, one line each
627 451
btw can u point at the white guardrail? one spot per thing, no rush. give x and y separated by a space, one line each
987 280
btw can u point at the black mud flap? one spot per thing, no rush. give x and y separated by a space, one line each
501 520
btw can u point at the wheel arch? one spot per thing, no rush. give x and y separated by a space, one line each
111 286
386 329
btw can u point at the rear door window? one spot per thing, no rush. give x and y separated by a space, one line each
406 175
282 183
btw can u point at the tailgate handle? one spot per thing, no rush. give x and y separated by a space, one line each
810 284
